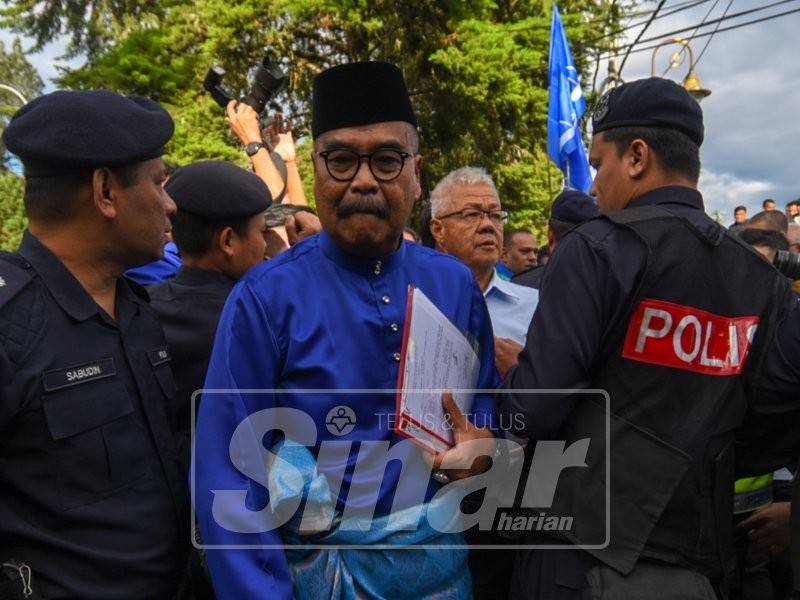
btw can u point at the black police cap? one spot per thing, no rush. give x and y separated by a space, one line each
215 189
652 102
358 94
63 131
572 206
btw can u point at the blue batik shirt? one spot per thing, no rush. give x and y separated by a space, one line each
317 318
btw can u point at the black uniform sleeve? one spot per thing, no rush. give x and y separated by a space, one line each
770 437
8 404
584 290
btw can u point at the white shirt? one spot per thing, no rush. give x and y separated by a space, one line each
511 307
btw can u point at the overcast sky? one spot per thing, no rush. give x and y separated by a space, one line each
751 117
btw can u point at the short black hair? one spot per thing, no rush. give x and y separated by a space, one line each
194 235
676 152
560 228
770 219
508 236
52 198
767 201
738 208
773 240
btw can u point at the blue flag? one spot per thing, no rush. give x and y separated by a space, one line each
567 105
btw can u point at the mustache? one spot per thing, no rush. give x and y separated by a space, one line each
361 206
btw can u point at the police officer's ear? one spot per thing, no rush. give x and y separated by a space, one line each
638 159
103 193
225 241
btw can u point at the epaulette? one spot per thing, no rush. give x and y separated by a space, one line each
15 274
137 288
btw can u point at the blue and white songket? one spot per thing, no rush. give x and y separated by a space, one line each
316 318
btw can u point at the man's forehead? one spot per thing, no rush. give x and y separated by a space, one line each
391 133
523 238
479 192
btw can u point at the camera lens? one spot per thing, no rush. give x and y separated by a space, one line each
267 81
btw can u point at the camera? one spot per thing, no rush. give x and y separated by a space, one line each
788 263
268 80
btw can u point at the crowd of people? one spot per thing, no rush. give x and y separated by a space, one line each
199 373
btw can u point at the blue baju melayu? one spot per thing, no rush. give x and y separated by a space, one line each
317 318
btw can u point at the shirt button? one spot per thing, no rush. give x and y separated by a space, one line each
386 299
396 356
377 269
394 327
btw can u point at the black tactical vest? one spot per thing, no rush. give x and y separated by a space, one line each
672 369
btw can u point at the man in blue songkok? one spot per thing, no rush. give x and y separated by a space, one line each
328 315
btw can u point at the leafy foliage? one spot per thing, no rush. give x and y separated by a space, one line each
12 211
18 73
476 69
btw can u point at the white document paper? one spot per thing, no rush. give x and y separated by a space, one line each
436 358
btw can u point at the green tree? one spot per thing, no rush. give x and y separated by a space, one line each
12 210
15 71
476 69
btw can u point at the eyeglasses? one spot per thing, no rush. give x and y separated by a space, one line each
385 165
473 216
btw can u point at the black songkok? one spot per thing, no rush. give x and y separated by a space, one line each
358 94
65 131
215 189
652 102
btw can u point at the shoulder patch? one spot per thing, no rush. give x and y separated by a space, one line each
13 278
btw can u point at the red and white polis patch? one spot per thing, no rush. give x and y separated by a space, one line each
687 338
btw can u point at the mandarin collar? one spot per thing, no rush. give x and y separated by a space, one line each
368 266
67 291
673 194
192 276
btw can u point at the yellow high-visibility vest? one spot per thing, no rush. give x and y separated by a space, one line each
752 493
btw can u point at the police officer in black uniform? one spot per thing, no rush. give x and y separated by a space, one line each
657 304
91 497
219 229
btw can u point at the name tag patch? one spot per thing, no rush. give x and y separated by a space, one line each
84 373
159 356
687 338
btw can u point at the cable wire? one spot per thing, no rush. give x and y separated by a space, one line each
711 37
696 29
675 9
661 37
638 37
721 30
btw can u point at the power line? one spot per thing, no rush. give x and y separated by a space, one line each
662 36
696 29
639 36
708 41
676 8
711 22
722 30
